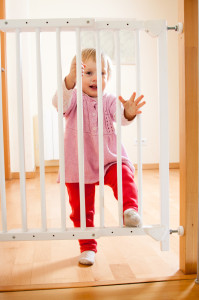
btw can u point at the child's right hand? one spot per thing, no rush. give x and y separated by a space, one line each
70 79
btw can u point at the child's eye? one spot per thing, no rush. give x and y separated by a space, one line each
89 73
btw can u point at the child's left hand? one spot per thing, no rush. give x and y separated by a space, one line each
132 106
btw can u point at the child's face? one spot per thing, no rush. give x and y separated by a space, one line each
89 79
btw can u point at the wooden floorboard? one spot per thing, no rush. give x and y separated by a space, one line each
164 290
54 264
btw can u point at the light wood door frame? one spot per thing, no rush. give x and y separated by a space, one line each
4 97
188 115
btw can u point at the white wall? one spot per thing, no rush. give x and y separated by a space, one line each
139 9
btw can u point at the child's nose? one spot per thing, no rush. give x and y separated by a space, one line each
94 78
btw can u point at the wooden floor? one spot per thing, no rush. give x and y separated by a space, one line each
120 260
166 290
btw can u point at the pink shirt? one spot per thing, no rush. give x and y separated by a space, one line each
90 128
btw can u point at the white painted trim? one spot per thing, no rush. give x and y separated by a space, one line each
41 131
100 128
164 133
80 137
20 116
61 130
76 233
153 27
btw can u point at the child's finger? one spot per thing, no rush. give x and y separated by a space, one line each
132 98
121 99
83 67
141 104
138 112
139 99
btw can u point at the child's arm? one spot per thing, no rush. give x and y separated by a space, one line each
67 94
68 86
70 79
132 106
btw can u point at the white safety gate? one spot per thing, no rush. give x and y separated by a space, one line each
157 29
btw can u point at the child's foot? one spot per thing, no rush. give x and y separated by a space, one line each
131 218
87 258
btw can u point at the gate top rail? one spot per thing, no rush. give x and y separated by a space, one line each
154 27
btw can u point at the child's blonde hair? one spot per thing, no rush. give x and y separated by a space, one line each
88 53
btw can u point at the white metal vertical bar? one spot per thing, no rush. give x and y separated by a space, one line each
100 127
21 131
118 118
164 133
2 167
139 127
61 130
80 130
41 134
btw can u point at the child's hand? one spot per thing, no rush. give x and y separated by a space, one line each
132 106
70 79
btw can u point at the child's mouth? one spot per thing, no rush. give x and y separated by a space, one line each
93 87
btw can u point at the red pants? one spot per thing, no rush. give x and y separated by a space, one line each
129 199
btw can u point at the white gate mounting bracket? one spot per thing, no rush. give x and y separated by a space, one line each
178 28
179 231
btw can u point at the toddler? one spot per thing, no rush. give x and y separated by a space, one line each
130 109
